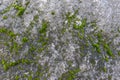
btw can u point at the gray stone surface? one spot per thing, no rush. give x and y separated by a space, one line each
62 53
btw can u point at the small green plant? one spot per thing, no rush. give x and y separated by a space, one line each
32 48
109 77
14 48
97 47
11 34
119 30
7 32
27 3
106 58
63 30
119 53
81 26
7 65
93 24
104 69
108 50
30 77
36 17
3 30
71 17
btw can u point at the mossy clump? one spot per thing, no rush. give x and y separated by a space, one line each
7 65
20 9
8 32
5 17
97 47
25 39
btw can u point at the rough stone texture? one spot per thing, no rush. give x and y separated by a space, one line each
62 51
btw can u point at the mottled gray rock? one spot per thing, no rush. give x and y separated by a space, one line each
63 49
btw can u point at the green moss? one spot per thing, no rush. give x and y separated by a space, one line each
11 45
81 26
4 17
99 36
17 77
70 18
3 61
43 29
104 69
44 43
70 63
97 47
36 17
7 65
70 75
3 30
92 61
41 39
25 61
108 50
119 53
25 39
30 77
20 9
32 48
106 58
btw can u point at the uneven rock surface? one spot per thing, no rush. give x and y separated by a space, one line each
59 39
